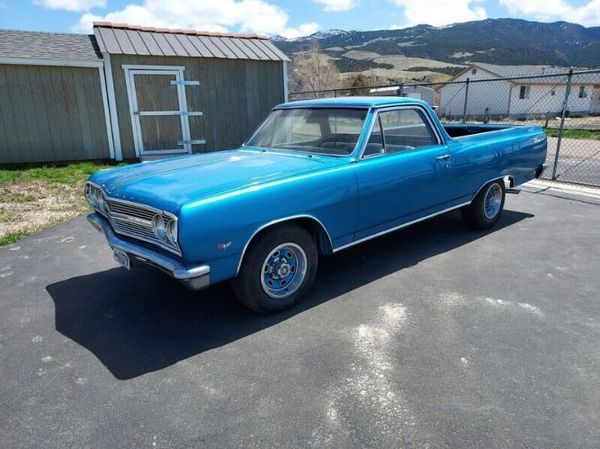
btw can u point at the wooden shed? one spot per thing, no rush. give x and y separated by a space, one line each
131 92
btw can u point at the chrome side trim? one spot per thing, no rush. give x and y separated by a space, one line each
395 228
195 277
274 222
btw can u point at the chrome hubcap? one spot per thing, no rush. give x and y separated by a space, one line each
284 270
493 201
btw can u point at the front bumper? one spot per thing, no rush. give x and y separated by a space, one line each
194 278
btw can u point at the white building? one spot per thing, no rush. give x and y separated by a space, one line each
420 92
538 95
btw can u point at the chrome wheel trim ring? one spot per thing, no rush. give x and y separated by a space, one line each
283 271
492 201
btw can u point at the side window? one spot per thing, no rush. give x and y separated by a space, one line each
375 143
405 129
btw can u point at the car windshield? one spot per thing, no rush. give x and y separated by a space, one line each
332 131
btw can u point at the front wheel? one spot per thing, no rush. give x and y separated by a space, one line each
279 267
486 207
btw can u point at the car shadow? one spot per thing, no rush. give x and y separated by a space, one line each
141 321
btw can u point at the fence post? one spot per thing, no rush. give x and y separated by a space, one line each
562 122
466 99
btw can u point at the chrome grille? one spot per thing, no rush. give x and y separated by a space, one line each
133 219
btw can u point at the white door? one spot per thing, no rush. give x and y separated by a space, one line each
158 106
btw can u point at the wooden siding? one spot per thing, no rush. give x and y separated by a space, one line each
234 95
51 114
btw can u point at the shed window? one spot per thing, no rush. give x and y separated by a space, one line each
582 92
524 92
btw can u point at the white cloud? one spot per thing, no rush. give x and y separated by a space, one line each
550 10
254 16
71 5
440 12
337 5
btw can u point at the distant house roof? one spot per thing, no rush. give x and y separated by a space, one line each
516 71
41 45
134 40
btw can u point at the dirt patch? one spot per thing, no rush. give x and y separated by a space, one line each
34 198
30 206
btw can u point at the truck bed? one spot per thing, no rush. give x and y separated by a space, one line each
463 130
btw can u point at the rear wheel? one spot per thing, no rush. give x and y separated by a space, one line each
279 267
486 208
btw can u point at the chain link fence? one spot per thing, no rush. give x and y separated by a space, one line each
566 104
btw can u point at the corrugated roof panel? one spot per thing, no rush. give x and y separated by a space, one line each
263 55
164 45
150 42
220 44
124 42
138 43
214 50
176 45
238 53
202 49
134 40
190 48
281 56
266 49
249 49
110 40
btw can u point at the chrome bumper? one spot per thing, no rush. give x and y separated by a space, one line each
194 278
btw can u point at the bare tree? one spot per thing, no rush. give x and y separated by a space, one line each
312 71
361 82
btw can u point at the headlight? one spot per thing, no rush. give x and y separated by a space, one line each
172 231
95 198
165 229
159 227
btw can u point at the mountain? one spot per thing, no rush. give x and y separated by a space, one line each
495 41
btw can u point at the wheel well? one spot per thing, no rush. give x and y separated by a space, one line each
312 225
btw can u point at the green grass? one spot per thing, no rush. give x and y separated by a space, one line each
10 238
574 133
69 174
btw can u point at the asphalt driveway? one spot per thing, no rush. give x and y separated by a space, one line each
433 336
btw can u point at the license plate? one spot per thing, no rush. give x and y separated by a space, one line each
122 258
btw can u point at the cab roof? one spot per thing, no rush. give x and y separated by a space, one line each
351 102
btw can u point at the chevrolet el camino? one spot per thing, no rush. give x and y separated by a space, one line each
315 178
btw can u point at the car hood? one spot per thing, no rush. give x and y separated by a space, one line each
171 183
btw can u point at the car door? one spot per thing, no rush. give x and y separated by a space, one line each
404 172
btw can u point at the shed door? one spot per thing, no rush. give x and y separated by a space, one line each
159 112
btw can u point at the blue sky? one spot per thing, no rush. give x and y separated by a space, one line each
286 17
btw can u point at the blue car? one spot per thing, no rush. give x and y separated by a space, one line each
315 178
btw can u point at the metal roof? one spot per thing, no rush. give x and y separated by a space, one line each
543 74
134 40
41 45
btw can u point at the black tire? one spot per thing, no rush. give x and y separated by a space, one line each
474 214
248 285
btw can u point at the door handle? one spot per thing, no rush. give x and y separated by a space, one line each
445 157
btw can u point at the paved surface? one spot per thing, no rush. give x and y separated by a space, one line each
431 337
